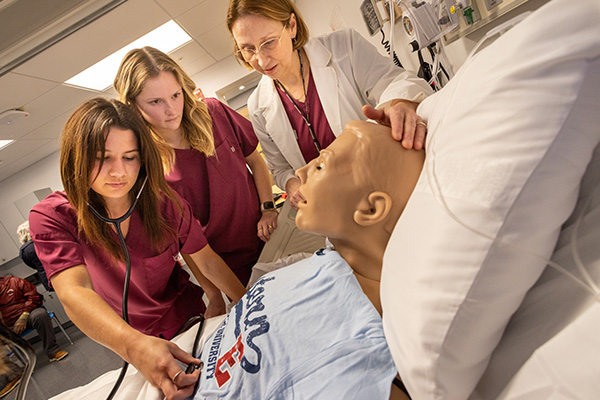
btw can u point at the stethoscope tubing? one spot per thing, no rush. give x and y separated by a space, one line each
116 223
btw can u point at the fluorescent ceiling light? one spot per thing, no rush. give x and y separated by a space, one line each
101 75
4 143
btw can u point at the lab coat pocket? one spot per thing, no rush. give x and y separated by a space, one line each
159 270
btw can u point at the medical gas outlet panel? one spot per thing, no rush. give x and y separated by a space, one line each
475 14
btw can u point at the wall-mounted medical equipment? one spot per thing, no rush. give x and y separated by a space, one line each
475 14
376 13
426 21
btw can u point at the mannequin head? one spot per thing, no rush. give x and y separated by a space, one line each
355 192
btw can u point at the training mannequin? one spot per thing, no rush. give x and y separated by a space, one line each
308 328
354 192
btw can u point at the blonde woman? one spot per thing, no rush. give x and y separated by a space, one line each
209 148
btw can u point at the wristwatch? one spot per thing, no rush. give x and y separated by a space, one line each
267 206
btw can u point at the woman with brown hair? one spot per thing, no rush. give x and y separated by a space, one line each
312 87
111 167
209 151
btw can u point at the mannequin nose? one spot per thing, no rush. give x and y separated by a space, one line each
301 173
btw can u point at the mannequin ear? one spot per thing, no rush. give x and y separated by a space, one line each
373 209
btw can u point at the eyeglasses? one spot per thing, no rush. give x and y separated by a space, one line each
265 48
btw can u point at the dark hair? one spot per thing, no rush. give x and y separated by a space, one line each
83 138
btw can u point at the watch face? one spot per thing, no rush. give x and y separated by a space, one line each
268 205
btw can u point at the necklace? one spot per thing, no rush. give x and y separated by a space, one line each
306 117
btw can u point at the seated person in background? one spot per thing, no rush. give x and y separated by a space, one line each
308 330
21 309
28 254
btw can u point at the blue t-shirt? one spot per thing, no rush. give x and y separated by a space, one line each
306 331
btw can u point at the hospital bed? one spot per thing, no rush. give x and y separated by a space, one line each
539 338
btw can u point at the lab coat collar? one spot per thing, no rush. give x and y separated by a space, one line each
326 81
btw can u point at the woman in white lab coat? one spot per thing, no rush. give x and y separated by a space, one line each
312 87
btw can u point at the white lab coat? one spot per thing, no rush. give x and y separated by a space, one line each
348 72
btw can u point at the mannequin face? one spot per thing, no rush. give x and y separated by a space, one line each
329 189
343 187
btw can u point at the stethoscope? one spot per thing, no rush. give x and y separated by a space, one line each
116 223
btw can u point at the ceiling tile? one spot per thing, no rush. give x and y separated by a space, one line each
177 7
192 58
51 104
204 17
18 90
217 42
48 131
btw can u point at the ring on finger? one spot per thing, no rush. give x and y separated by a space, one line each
422 123
270 226
175 377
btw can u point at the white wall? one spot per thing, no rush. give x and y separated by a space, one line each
44 173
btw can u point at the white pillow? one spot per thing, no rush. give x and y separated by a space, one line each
509 139
560 309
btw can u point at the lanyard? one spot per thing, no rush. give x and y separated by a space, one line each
306 117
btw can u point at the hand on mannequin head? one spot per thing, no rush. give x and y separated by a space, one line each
356 190
401 115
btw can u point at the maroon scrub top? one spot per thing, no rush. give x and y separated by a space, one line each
221 189
161 296
318 120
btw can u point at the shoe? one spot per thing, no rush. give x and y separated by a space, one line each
10 386
59 355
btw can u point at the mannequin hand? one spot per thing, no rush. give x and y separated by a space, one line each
216 306
20 326
267 225
407 126
292 188
156 359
